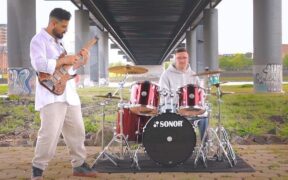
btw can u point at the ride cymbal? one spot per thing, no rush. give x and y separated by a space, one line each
127 69
208 73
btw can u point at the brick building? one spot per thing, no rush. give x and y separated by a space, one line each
3 50
284 50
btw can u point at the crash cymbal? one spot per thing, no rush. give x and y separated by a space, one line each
127 69
208 73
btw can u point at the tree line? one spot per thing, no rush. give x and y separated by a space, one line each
234 62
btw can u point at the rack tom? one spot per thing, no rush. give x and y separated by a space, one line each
144 98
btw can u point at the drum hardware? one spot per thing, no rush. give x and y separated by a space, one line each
217 138
135 162
225 145
168 96
103 104
118 138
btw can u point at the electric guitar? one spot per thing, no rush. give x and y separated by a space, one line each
56 83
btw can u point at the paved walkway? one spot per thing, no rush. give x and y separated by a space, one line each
269 161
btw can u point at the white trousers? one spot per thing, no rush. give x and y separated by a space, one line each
57 118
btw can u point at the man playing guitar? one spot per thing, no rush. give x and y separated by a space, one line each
58 113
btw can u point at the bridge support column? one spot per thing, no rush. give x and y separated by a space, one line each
103 58
201 63
210 23
20 31
94 59
82 29
267 69
191 47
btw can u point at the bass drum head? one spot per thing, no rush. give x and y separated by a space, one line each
169 139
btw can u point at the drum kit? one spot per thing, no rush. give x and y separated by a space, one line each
164 131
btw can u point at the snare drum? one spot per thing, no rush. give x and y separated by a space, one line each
191 100
133 125
144 98
169 139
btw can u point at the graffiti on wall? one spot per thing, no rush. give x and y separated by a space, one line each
268 78
21 81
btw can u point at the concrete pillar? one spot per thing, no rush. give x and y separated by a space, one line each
191 47
201 63
81 37
103 57
94 63
21 18
267 69
210 23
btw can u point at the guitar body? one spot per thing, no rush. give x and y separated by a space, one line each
56 83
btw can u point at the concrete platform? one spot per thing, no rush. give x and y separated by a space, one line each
269 161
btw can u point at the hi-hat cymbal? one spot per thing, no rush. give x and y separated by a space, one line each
208 73
127 69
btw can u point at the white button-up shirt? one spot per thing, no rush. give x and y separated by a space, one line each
44 52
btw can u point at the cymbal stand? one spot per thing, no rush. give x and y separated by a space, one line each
201 152
226 147
103 104
118 138
217 138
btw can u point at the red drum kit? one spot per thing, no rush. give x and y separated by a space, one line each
167 136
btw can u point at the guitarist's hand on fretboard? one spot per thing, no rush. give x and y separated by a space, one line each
67 60
84 56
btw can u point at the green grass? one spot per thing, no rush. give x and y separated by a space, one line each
3 89
243 113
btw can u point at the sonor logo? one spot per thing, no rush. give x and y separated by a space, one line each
168 124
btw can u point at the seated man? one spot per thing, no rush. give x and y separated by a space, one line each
178 75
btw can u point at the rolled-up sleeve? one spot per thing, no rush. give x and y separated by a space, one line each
38 57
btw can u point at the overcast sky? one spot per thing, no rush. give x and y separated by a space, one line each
235 19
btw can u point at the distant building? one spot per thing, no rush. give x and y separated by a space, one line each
284 50
3 50
3 34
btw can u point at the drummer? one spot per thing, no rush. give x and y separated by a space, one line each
179 74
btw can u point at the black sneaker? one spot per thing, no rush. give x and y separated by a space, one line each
36 173
84 170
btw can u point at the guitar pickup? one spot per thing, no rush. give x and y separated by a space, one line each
63 70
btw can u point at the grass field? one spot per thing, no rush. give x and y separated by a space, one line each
242 113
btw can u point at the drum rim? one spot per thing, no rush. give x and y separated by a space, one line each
147 106
188 107
194 85
136 82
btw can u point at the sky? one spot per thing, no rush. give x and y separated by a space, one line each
235 24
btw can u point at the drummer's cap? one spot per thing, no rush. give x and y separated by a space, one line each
180 49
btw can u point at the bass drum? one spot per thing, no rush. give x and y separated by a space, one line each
169 139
